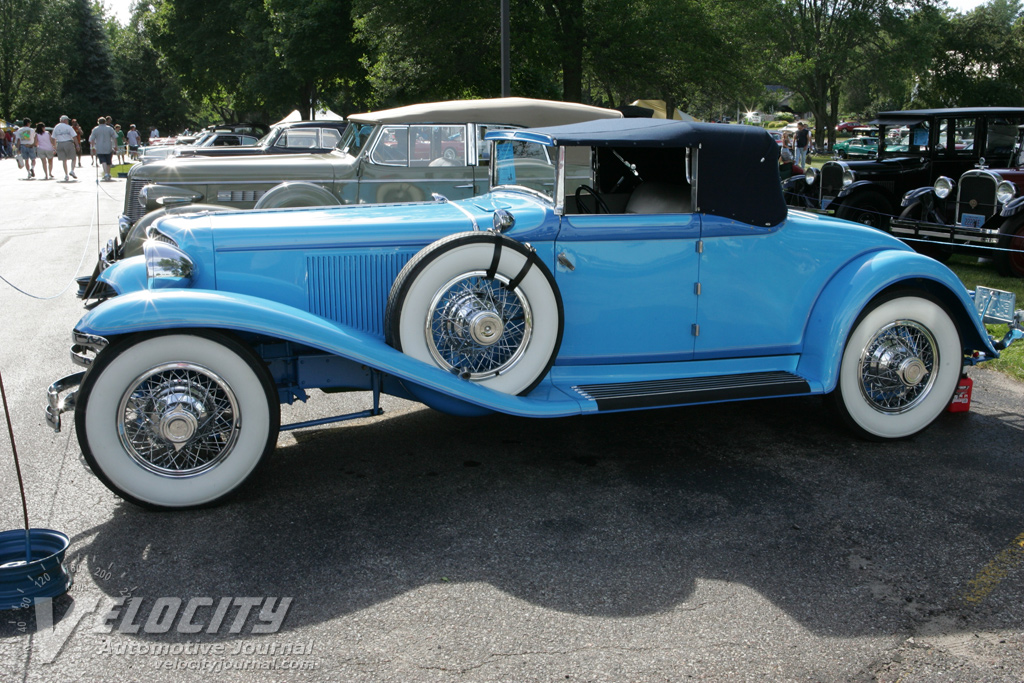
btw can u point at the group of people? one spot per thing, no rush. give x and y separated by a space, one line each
29 144
795 147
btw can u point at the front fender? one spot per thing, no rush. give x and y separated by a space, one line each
849 191
191 308
853 287
922 195
1012 207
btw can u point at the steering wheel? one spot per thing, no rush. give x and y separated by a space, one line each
582 208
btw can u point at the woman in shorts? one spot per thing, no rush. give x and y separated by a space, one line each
46 148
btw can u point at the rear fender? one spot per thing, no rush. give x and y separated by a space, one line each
184 309
852 289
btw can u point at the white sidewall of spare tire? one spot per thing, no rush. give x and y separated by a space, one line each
473 257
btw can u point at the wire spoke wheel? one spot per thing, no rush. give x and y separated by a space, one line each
477 326
178 420
897 367
481 306
900 367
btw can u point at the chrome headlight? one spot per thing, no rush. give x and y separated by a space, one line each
810 175
943 186
1005 191
166 263
848 177
124 224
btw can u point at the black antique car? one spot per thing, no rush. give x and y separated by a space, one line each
981 212
916 148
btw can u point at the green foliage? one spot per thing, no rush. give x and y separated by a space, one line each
33 35
979 59
88 90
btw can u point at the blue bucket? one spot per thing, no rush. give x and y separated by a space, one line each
42 576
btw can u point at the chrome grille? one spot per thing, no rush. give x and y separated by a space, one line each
976 198
132 208
831 179
352 288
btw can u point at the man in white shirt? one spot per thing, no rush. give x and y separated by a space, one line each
104 140
153 135
134 139
64 134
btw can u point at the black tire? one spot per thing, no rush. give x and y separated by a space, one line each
480 305
1011 262
937 251
900 367
177 420
869 208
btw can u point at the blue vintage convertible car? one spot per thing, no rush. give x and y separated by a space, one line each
614 265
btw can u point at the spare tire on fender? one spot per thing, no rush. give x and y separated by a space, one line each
480 305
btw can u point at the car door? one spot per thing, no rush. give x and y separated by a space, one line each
628 287
411 162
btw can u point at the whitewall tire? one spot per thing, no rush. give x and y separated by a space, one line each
900 367
176 420
479 305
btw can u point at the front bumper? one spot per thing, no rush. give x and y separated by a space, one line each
83 352
88 286
949 234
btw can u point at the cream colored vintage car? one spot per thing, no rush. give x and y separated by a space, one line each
394 155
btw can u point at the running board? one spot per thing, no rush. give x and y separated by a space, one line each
672 392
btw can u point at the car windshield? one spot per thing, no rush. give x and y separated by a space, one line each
263 141
523 165
354 138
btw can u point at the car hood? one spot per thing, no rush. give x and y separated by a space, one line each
241 168
885 166
362 225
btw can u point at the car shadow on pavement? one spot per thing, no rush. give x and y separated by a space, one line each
608 516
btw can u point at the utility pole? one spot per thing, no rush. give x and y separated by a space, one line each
506 53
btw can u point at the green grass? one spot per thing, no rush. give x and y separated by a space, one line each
972 273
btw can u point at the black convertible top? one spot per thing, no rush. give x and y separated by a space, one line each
737 166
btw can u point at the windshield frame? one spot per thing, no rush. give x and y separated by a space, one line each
554 156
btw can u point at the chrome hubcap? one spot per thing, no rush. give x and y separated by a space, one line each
178 420
477 327
897 366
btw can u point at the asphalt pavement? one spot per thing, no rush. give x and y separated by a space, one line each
746 541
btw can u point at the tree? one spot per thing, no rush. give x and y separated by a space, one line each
314 41
822 44
685 52
146 93
87 90
29 56
978 60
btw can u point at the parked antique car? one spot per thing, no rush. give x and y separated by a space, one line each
981 213
938 142
855 147
295 137
609 268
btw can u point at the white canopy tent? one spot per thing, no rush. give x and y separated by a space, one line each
320 115
659 110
